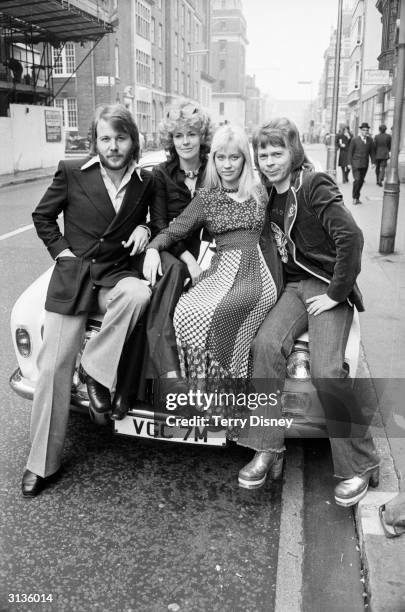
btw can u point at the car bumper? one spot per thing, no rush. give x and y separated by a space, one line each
24 387
300 403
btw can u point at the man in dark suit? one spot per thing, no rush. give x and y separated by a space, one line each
360 150
382 145
104 204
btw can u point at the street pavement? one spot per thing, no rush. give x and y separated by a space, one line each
383 334
382 282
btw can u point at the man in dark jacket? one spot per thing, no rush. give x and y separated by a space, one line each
104 204
382 145
320 249
360 150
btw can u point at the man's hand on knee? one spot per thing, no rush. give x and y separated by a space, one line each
320 303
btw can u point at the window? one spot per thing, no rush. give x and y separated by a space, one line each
160 35
182 48
69 112
142 67
221 108
59 103
221 85
153 73
188 85
160 75
183 82
176 9
142 20
176 43
222 45
176 79
222 64
64 60
152 29
189 21
183 15
196 92
143 115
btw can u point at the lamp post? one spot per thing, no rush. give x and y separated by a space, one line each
391 185
331 151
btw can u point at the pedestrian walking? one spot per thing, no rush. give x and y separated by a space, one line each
382 145
343 140
360 150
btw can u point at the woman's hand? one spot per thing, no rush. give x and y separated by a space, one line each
152 266
320 303
139 240
195 272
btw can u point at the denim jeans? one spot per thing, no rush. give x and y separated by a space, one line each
353 453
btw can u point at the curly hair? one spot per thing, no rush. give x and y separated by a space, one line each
181 116
121 120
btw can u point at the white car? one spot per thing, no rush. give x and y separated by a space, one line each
299 399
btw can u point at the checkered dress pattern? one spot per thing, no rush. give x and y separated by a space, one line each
216 320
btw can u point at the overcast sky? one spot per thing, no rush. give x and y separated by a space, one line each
287 40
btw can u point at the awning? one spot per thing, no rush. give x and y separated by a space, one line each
56 21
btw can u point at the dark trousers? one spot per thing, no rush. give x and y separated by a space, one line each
359 175
380 165
345 174
151 352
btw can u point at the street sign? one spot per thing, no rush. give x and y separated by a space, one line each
377 77
53 126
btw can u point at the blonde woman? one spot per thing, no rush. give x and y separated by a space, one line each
216 321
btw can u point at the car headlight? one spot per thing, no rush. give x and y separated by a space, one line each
298 364
23 341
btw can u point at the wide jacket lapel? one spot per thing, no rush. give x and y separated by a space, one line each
92 184
133 196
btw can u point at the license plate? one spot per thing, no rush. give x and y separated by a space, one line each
142 427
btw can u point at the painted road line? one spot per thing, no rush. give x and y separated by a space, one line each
291 542
20 230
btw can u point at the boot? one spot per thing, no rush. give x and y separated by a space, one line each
254 474
350 491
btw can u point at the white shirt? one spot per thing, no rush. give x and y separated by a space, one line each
116 195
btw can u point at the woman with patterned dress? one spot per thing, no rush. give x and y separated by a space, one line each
217 319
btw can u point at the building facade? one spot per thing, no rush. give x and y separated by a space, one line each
228 50
158 53
387 60
362 95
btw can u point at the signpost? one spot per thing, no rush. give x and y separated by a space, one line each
53 126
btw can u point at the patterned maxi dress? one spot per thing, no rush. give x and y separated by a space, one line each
216 320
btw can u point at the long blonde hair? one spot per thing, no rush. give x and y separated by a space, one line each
248 185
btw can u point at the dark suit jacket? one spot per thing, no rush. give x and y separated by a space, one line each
92 230
359 152
382 144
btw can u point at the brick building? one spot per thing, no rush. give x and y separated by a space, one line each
157 53
228 50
